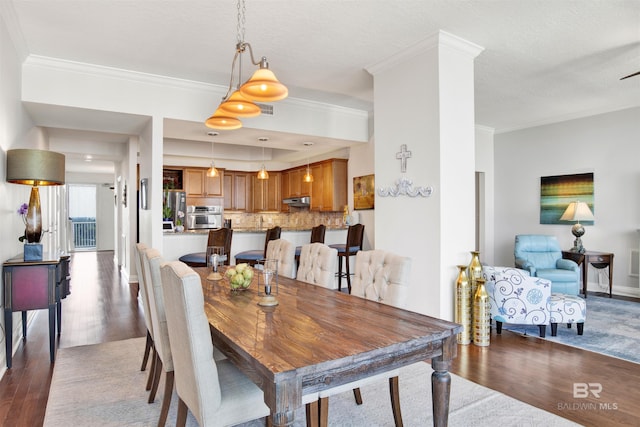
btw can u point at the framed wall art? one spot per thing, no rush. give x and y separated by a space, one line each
556 192
364 192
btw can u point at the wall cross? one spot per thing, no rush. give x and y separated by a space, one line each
403 155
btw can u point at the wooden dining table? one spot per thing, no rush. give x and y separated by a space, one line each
317 338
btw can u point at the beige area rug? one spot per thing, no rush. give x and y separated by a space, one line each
102 385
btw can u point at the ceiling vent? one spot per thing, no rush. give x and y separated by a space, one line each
266 109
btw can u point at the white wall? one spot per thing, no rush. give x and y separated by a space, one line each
606 145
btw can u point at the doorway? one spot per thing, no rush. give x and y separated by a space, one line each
82 215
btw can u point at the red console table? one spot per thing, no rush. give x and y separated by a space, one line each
33 285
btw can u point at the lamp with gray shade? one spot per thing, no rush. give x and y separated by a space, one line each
577 211
36 168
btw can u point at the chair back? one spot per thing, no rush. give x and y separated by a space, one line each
318 265
139 251
540 250
382 276
355 234
317 233
152 260
196 374
221 237
285 252
271 234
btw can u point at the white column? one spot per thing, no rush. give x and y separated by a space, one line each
424 98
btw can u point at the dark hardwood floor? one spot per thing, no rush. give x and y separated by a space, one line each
103 308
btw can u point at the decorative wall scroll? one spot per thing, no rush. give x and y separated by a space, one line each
404 186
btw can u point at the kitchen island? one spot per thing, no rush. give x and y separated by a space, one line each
177 244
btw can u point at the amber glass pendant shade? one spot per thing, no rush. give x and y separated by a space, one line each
264 86
239 106
307 177
221 120
262 173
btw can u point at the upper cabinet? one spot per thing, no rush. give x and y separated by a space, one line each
172 178
267 195
198 184
329 186
237 191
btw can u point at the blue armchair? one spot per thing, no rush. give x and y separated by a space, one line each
541 256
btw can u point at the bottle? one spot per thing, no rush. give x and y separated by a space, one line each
481 316
463 305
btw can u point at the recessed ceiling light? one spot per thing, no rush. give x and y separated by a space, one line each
213 133
307 143
263 139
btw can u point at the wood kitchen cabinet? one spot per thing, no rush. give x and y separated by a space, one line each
237 191
267 195
198 184
329 186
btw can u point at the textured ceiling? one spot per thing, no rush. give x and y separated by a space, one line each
543 61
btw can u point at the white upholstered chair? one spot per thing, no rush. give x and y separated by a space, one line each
285 252
140 249
383 277
215 392
164 361
318 265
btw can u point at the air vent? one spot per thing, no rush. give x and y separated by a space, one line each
266 109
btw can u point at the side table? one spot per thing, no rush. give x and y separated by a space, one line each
599 260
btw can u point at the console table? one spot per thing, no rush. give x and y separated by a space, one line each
34 285
599 260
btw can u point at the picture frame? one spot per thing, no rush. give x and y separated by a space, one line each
364 192
556 192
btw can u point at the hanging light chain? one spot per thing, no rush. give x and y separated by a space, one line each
241 21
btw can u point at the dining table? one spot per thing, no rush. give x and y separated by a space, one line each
317 338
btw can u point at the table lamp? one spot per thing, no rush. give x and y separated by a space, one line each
577 211
36 168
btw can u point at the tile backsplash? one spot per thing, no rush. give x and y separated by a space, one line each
302 219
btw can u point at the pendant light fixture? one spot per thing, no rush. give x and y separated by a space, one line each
262 86
262 173
212 172
307 177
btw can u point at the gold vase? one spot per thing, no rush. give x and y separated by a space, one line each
481 316
463 305
475 271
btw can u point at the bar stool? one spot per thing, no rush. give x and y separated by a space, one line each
217 237
251 257
355 234
317 236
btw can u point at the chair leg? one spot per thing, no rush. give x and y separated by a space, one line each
323 408
147 350
339 273
498 327
312 414
166 400
152 369
181 419
156 379
543 330
554 329
394 391
347 259
357 395
580 328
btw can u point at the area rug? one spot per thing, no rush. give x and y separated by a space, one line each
102 385
612 327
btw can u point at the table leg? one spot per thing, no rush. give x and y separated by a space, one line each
283 399
441 381
24 325
585 276
52 332
8 328
610 275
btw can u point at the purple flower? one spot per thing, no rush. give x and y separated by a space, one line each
22 210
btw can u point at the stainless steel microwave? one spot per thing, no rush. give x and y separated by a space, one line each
199 217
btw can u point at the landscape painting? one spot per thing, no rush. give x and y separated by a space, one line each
556 192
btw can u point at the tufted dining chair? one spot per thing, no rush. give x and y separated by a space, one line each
284 251
317 265
317 236
383 277
541 256
254 255
164 361
149 350
215 392
517 298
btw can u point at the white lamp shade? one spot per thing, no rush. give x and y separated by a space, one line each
577 211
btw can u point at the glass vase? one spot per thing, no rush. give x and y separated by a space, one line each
463 305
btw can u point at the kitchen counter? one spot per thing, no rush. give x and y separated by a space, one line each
189 241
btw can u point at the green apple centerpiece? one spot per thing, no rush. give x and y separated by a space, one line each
239 277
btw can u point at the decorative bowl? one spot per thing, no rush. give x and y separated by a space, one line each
239 277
